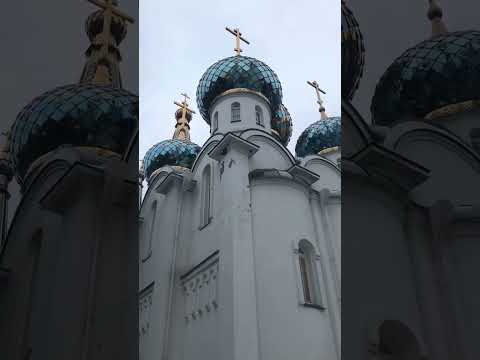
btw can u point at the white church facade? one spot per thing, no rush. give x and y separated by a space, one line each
241 243
240 246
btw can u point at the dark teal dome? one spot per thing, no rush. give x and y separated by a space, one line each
172 152
443 70
77 115
353 53
282 124
233 73
321 135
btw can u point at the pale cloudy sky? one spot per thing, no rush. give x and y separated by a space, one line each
299 40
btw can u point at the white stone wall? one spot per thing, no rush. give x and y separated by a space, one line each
282 216
157 265
247 102
236 291
387 289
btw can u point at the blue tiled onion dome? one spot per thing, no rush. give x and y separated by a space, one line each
443 70
77 115
282 123
353 53
237 72
321 135
171 152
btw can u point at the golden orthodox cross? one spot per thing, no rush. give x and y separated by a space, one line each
314 84
184 106
109 8
238 37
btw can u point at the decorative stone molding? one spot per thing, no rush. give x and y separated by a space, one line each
303 174
232 140
384 164
200 286
453 109
292 178
167 183
144 308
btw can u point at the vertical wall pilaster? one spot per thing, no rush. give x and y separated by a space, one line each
441 214
237 295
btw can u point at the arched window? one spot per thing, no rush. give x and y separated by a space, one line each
215 122
205 215
308 274
395 340
259 115
236 112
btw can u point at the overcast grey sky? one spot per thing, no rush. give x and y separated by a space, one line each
391 27
299 40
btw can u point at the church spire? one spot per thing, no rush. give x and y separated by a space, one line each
106 28
435 14
183 116
321 108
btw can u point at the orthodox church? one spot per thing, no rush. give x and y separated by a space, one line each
416 165
69 259
239 238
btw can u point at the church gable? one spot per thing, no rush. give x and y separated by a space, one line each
270 155
439 151
329 172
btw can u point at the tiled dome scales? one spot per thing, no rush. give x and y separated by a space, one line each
322 136
243 72
353 53
96 113
178 151
434 78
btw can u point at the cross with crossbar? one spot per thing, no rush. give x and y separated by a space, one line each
184 105
315 85
238 37
109 8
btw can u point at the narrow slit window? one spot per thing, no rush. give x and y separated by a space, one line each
308 274
236 112
215 121
259 115
305 279
205 215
